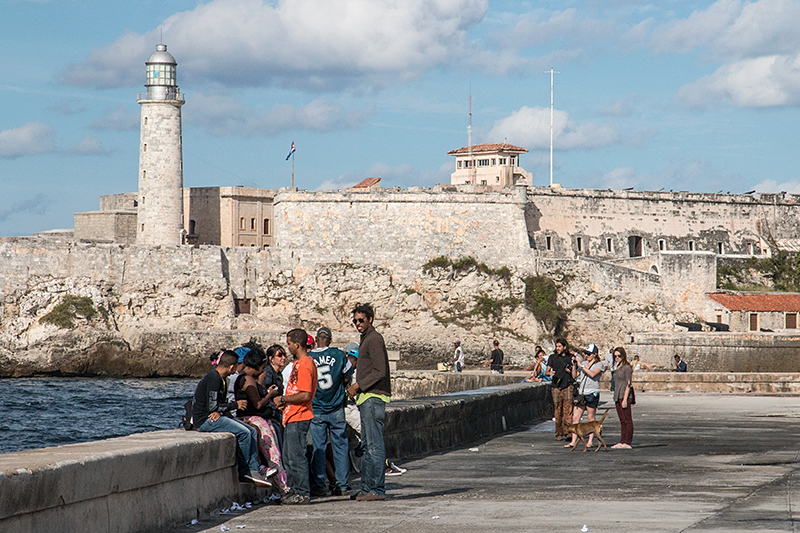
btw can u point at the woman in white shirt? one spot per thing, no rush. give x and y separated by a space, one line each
591 368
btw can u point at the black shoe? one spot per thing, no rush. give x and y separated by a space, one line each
336 491
319 493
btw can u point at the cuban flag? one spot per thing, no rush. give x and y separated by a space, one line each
290 152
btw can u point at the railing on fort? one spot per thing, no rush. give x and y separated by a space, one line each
177 96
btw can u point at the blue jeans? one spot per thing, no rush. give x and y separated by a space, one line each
294 456
373 469
320 426
246 440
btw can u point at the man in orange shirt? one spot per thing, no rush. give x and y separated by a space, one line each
297 415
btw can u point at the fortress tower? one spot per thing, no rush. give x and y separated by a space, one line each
160 209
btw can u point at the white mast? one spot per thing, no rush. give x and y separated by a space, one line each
551 123
469 140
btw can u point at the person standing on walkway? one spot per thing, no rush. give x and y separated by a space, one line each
560 367
373 388
297 415
458 356
333 371
496 358
623 386
590 370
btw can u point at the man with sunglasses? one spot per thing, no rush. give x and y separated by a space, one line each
372 391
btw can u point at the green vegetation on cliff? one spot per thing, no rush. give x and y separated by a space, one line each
68 309
781 272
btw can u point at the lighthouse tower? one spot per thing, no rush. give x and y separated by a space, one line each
160 210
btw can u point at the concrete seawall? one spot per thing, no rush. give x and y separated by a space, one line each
153 481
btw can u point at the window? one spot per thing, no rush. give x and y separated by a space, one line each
144 174
135 203
635 246
192 227
142 200
549 243
252 224
241 223
241 306
721 248
513 160
483 182
493 161
483 162
144 147
750 249
753 321
719 319
142 227
266 226
791 320
497 179
502 160
458 164
609 246
662 244
691 246
145 121
579 244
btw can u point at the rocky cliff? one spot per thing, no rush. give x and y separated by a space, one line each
161 311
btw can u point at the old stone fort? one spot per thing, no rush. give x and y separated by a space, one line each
167 262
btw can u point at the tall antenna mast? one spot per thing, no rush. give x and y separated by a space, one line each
471 162
551 122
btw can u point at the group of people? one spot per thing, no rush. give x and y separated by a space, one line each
575 387
271 405
495 362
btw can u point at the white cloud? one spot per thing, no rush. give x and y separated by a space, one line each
35 205
311 44
34 138
529 127
620 108
544 28
694 175
760 82
119 118
701 28
224 116
768 185
68 106
88 146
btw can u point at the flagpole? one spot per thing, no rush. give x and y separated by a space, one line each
292 170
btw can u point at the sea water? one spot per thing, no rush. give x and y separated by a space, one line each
41 412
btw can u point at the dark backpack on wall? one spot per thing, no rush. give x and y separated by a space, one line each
186 419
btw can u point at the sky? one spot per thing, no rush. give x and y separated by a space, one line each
690 96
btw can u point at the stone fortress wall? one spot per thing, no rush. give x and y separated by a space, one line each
333 248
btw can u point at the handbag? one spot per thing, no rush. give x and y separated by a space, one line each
631 396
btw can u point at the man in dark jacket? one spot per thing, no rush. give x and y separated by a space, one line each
372 390
560 366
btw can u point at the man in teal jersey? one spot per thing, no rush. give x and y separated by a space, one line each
333 372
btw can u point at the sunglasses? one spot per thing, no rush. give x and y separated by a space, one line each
359 320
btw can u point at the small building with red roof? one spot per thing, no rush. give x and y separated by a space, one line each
494 165
756 311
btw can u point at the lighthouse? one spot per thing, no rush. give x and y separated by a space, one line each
160 209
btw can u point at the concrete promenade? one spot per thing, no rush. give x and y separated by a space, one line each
700 462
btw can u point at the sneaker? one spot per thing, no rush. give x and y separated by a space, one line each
336 491
258 479
396 470
266 471
355 495
370 497
295 499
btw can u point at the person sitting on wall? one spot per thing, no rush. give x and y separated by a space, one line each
680 365
638 365
539 370
258 412
210 413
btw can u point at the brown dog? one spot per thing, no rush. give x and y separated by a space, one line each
587 428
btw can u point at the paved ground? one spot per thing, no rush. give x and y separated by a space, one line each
700 462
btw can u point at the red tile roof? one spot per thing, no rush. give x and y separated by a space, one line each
367 183
764 302
491 147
